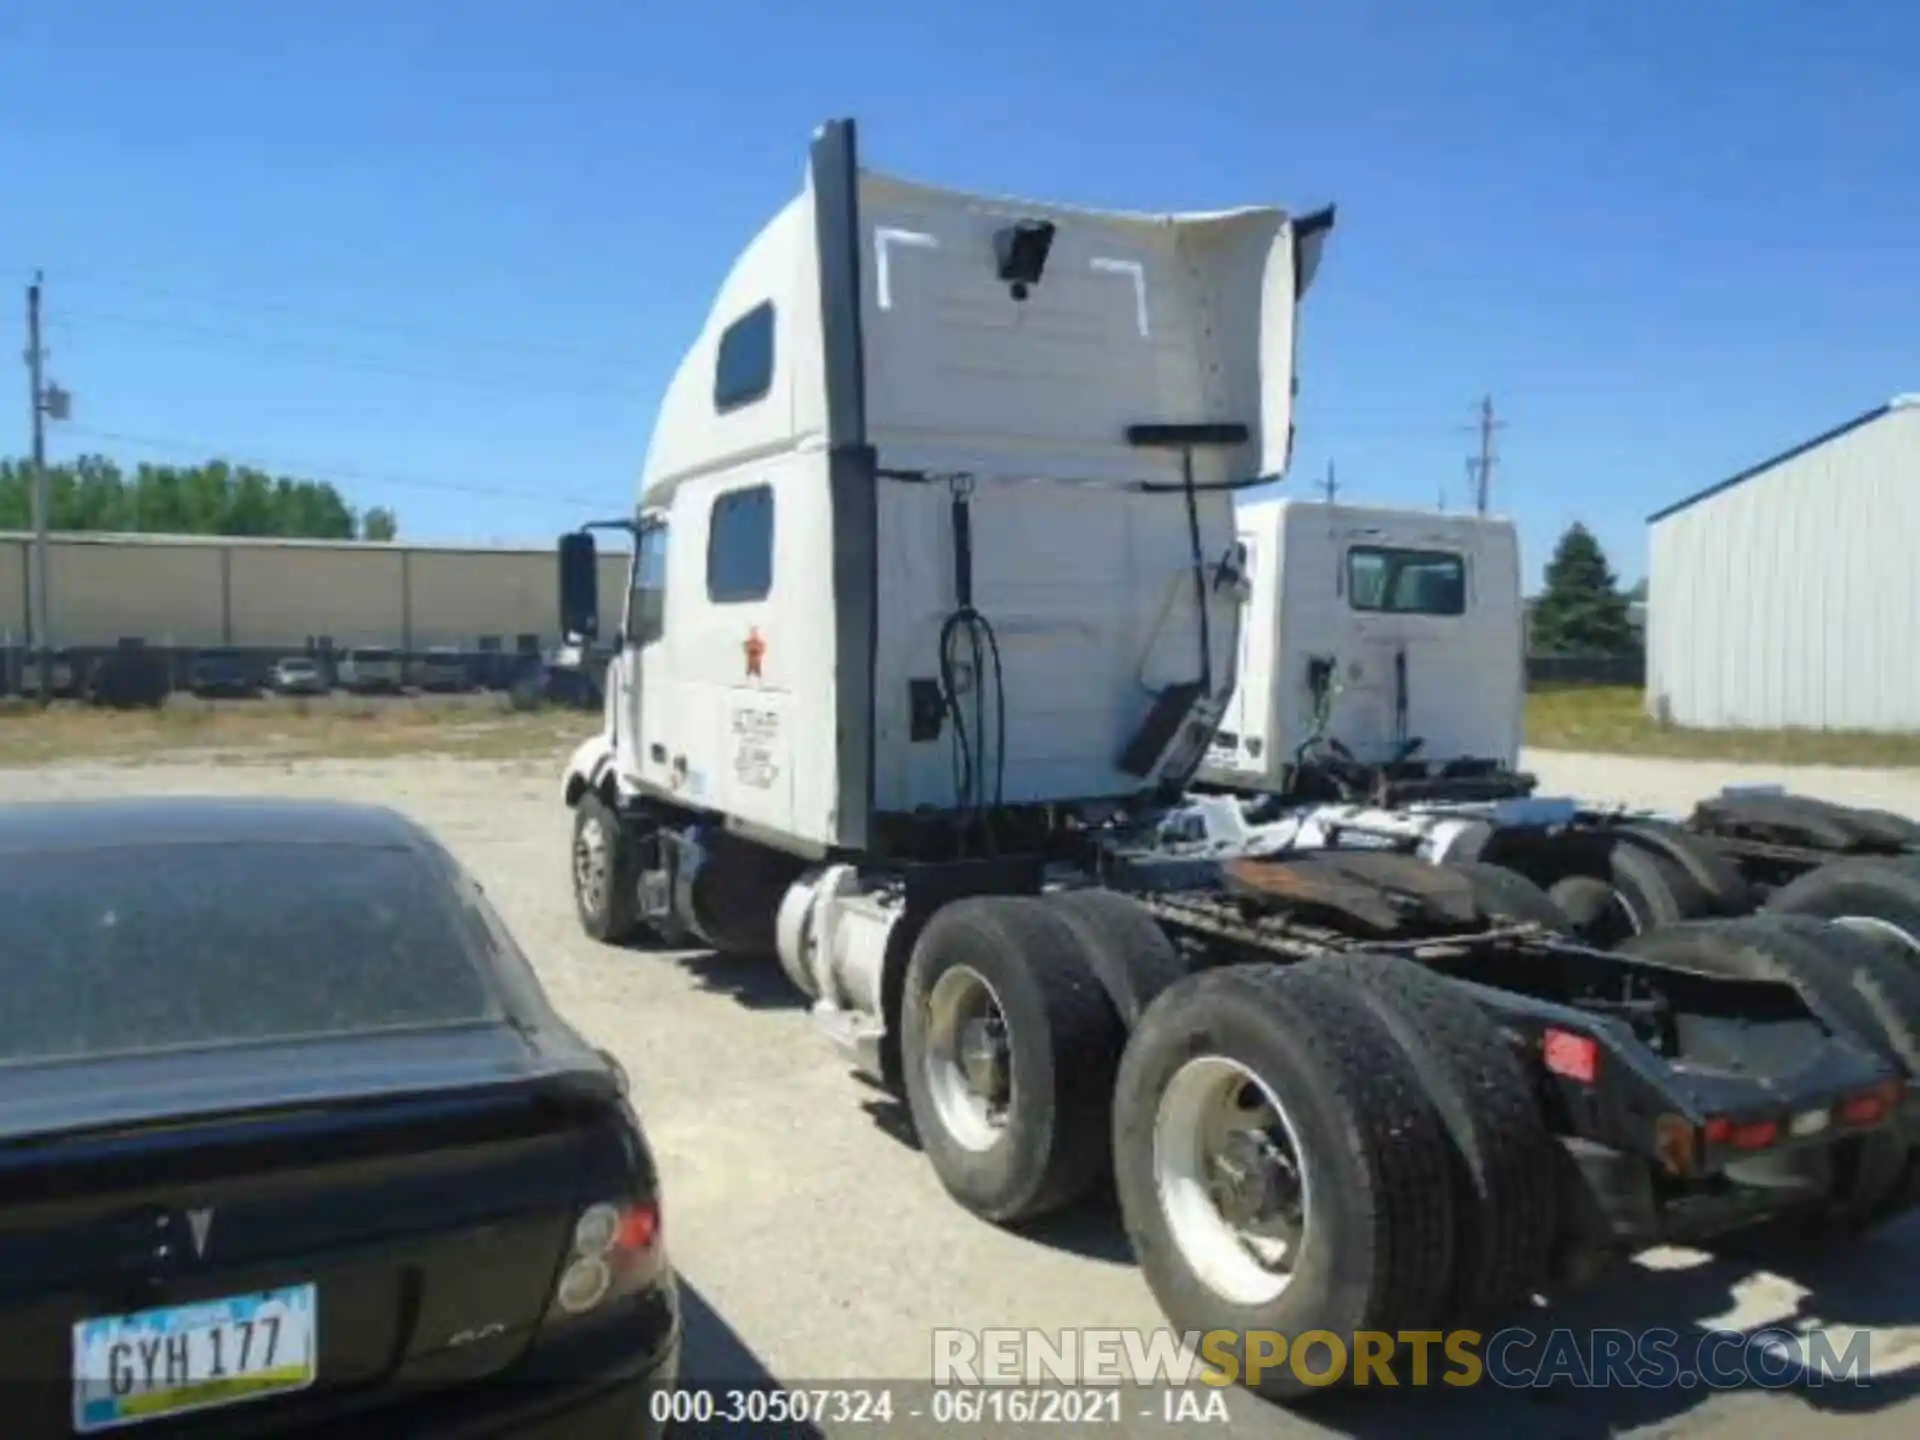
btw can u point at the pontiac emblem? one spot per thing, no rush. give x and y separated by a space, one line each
755 648
200 1222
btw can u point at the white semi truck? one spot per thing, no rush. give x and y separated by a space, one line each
1380 699
935 611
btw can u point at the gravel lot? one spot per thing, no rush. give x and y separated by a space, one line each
817 1245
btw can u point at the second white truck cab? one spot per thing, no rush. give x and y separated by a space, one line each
1398 633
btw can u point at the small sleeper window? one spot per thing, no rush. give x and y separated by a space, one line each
743 368
740 546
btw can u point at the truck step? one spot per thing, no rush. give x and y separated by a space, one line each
857 1036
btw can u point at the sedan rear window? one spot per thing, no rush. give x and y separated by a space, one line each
145 948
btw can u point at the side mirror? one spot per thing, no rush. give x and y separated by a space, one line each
579 586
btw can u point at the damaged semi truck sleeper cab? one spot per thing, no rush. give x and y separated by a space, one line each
935 608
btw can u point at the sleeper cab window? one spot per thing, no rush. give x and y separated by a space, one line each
740 546
1406 582
743 365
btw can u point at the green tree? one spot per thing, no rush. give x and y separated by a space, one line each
1581 611
92 493
379 524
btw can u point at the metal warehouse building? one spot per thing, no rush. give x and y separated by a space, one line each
1789 595
192 592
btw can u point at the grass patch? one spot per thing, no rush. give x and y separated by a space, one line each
277 730
1612 720
1597 719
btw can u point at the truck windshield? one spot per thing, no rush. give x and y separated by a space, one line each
1406 582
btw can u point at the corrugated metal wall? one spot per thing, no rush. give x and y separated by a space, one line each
281 596
1793 598
13 593
198 593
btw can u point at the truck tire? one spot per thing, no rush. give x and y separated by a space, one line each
1843 979
1878 897
1859 987
1592 908
1723 888
1334 1097
1503 894
1130 953
1505 1160
1884 991
1003 981
605 873
1652 889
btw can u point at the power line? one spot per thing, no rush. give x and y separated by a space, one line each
226 302
329 474
219 340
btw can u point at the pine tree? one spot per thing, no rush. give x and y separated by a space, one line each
1582 611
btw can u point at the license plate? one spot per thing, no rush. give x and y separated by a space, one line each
156 1363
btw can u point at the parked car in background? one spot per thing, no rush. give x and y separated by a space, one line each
565 675
290 1129
131 676
445 670
65 674
221 674
297 675
370 670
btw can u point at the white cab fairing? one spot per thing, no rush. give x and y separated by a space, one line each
1416 618
778 656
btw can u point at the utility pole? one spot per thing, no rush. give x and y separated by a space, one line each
1330 485
37 621
1480 467
45 400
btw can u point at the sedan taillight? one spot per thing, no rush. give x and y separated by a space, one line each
616 1249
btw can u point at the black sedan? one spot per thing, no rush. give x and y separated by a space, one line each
291 1143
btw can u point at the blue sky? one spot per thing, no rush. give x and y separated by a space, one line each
460 245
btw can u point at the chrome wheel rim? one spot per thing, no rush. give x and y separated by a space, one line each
968 1064
590 863
1232 1180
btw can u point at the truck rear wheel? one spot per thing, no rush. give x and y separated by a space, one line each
1883 990
1503 894
1877 897
1641 891
1008 1047
606 889
1593 909
1856 985
1505 1160
1280 1167
1722 887
1130 953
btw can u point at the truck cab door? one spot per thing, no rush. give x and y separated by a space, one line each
636 690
